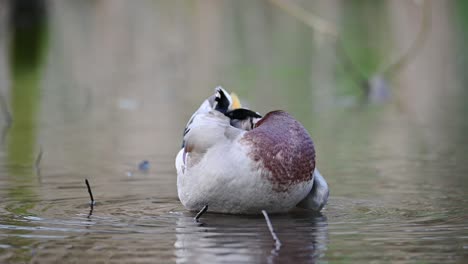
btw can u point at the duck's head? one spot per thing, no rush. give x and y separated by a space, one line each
222 101
230 105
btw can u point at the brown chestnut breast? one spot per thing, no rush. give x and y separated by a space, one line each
283 147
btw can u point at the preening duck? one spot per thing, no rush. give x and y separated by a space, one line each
236 161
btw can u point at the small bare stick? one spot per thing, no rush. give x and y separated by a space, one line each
272 232
39 157
90 212
90 193
38 161
5 110
202 211
8 118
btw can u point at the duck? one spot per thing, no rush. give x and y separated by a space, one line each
237 161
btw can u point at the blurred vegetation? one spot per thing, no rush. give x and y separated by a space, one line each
72 61
27 47
67 58
28 44
462 31
365 43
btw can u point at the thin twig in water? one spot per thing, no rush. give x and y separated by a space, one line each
202 211
37 164
90 193
5 130
90 212
272 231
92 203
6 112
8 117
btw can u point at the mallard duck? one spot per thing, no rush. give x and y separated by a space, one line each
238 162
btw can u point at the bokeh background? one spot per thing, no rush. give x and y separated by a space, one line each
89 89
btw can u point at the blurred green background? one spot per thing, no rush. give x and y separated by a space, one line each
100 69
59 58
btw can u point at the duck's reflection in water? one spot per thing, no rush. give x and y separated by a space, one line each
230 238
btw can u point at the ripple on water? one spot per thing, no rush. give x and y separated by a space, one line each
129 226
135 229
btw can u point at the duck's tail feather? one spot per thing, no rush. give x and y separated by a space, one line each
318 196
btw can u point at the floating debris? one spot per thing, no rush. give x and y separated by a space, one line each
128 104
144 166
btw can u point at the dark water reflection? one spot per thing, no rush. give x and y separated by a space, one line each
116 82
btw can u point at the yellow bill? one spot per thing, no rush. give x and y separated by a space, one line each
235 101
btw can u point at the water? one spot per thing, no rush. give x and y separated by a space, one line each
107 92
